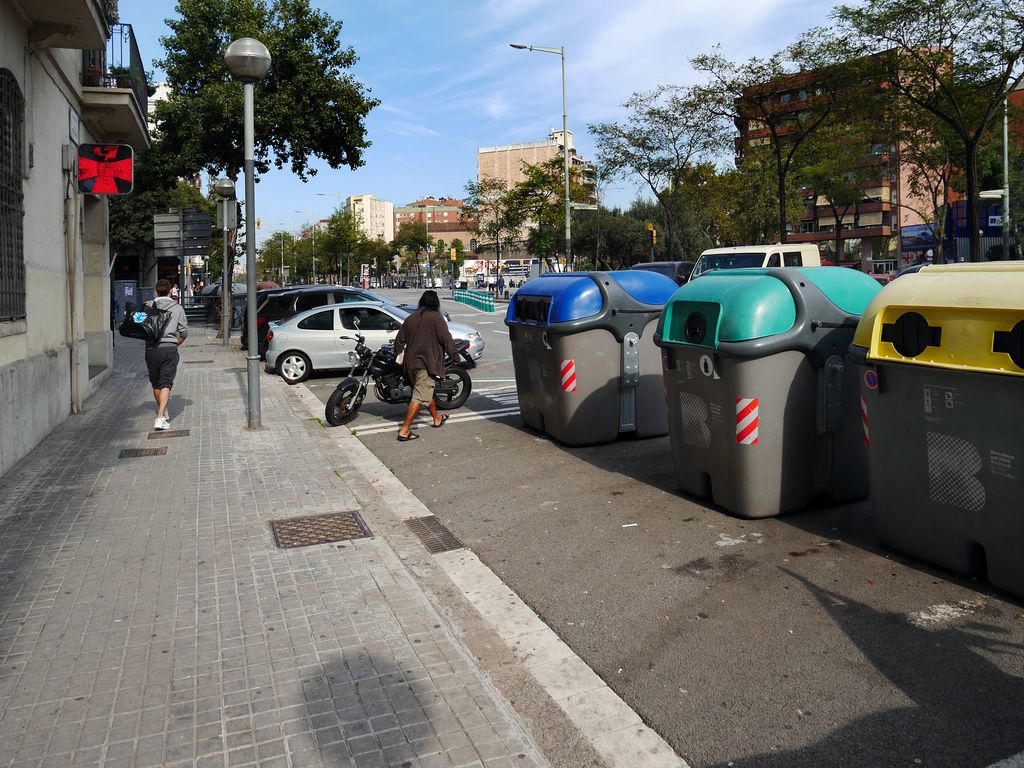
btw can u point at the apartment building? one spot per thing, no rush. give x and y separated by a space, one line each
68 77
443 218
506 161
871 228
374 218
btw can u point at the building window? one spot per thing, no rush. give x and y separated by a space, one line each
12 211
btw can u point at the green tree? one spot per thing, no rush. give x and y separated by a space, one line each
665 132
539 201
953 60
308 104
411 240
751 95
493 215
337 244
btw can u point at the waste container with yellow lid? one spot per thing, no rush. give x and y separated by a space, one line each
940 355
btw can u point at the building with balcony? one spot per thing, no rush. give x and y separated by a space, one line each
869 228
67 77
374 218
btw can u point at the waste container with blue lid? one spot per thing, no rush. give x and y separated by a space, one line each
940 358
762 410
586 366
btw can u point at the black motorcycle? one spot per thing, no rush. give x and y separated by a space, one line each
390 383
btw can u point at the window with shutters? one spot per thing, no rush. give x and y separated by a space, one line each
12 199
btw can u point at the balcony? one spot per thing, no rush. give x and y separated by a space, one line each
79 24
115 94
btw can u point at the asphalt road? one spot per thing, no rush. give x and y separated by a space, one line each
779 643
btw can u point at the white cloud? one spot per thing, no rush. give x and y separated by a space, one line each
403 128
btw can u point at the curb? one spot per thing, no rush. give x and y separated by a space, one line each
615 732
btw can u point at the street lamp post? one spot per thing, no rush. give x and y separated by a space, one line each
313 214
248 60
227 210
565 144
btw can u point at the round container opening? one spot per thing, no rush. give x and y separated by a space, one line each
695 329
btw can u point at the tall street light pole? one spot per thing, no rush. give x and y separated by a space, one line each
248 60
565 144
313 214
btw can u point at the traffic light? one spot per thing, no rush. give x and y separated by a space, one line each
653 233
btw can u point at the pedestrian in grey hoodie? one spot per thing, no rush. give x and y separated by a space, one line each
162 356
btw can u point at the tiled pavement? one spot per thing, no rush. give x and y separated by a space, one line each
147 618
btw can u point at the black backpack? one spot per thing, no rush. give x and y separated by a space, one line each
148 323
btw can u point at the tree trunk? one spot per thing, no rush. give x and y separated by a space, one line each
780 179
971 147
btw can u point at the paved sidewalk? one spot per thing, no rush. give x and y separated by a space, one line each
148 619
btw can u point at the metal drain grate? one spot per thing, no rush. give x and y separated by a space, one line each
318 529
434 535
131 453
198 362
169 433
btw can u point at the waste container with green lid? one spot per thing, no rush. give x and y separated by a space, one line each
585 362
940 358
762 409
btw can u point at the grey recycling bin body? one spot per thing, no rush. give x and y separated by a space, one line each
586 366
941 360
763 412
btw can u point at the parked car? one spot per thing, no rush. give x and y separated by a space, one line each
311 340
281 304
676 270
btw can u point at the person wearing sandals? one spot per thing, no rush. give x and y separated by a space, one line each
424 338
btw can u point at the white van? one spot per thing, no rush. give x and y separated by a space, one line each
758 256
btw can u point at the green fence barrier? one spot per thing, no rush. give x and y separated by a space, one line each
477 299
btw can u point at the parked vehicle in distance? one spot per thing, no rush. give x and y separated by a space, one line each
282 304
322 338
675 270
757 256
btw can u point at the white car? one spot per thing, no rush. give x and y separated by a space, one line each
314 340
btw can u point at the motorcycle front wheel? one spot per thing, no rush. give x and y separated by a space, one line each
453 389
343 405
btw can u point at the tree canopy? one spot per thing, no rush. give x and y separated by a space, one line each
308 104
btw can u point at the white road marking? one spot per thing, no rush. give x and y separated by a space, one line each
494 413
1016 761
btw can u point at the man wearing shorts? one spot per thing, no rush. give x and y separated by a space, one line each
425 338
162 356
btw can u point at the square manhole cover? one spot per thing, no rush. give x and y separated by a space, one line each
434 535
318 529
169 433
132 453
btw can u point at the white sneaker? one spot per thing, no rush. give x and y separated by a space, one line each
161 424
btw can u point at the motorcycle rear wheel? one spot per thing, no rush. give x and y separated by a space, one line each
342 405
453 390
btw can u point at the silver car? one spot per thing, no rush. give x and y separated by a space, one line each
314 340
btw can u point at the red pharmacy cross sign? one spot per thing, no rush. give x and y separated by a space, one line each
105 169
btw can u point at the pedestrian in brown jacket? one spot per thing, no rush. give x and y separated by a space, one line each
424 337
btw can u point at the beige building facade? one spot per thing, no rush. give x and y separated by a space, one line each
506 161
56 342
374 218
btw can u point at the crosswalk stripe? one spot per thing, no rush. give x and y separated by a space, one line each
494 413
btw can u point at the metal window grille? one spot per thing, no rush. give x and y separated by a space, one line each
12 199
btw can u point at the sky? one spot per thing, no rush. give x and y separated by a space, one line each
448 82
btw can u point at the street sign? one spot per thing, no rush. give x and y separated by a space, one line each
583 206
105 169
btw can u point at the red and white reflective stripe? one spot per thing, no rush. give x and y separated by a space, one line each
864 419
746 420
568 375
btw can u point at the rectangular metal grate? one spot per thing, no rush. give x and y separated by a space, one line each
318 529
159 435
131 453
434 535
198 362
